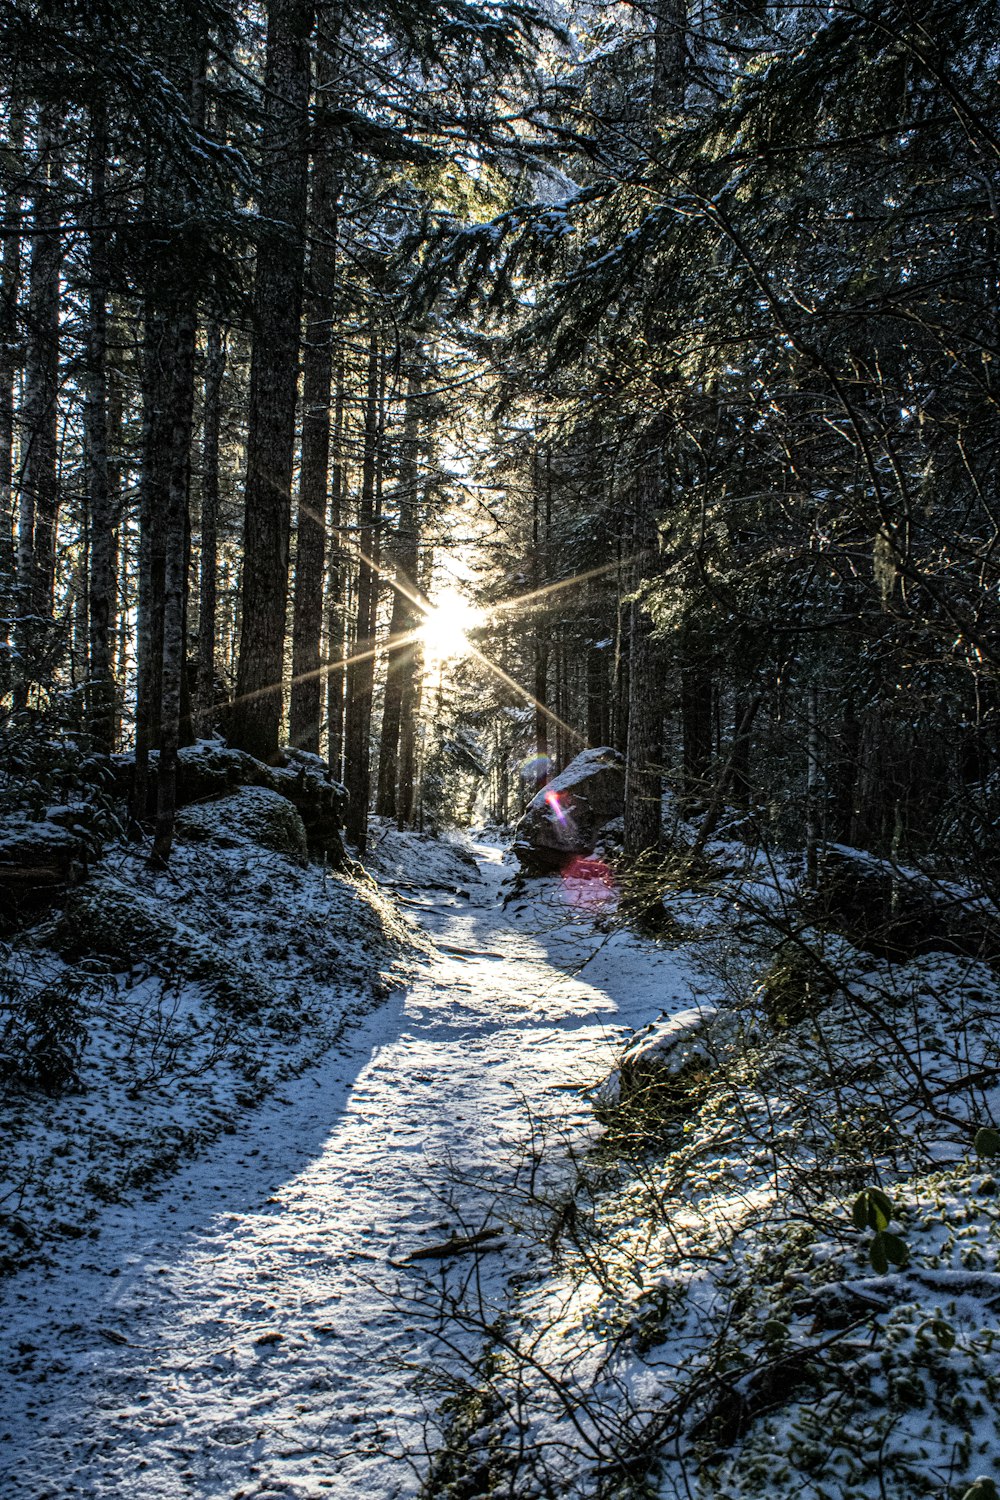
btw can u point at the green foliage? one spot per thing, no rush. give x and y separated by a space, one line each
42 1028
796 987
987 1141
983 1488
873 1210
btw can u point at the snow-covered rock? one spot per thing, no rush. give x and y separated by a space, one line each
251 814
39 860
668 1043
567 816
659 1053
211 768
898 911
141 932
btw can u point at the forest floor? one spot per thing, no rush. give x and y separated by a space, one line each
254 1326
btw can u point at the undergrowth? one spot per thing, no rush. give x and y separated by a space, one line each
776 1270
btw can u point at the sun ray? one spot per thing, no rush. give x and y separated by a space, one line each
427 607
523 692
507 606
394 643
444 629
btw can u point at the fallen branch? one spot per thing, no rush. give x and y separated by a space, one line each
456 1244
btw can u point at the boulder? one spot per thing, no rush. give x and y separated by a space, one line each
665 1048
566 818
40 860
662 1074
899 912
306 781
250 814
136 928
211 769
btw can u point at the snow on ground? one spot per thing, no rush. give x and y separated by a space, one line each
177 1000
253 1326
713 1324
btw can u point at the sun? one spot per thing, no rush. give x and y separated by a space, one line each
444 631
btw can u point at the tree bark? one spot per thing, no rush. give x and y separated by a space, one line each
716 802
215 371
10 288
696 723
597 696
644 745
102 579
402 648
153 502
176 533
669 37
541 516
620 681
317 373
256 716
361 671
813 786
175 706
409 712
39 499
644 738
335 605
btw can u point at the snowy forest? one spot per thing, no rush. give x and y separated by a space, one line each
499 749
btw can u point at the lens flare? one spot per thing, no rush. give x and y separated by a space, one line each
589 885
536 768
555 806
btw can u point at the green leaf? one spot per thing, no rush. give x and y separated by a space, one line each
877 1255
872 1209
983 1488
987 1142
895 1249
881 1206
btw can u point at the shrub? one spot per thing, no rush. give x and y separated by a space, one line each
42 1031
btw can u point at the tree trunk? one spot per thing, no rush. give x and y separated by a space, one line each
696 723
643 757
153 503
317 372
215 370
644 742
335 582
176 534
402 647
255 719
409 712
644 737
620 683
741 762
102 572
39 500
670 31
175 705
361 671
716 802
10 270
813 786
540 517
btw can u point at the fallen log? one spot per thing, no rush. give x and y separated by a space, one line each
456 1244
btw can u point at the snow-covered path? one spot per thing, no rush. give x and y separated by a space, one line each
238 1334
